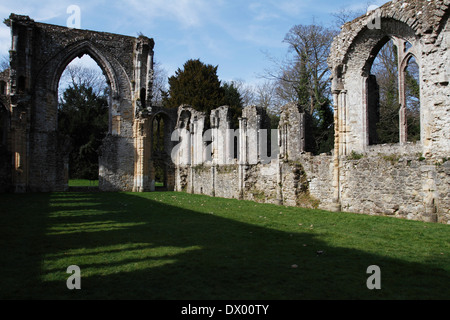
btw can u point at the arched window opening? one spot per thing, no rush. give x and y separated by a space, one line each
236 147
412 99
158 145
161 150
383 97
3 87
21 84
143 98
83 118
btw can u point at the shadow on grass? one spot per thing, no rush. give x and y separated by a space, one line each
130 247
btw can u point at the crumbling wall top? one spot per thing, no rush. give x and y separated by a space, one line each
4 75
25 20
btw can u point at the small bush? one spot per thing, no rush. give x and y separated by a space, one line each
355 156
392 158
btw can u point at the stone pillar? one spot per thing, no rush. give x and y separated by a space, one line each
343 123
430 193
192 159
365 126
280 181
282 139
291 131
302 143
252 114
213 179
403 126
336 203
142 149
242 155
258 138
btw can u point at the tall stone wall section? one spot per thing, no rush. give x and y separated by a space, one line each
404 180
290 177
38 56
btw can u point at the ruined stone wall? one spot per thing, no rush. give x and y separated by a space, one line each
39 54
392 180
319 176
435 91
442 172
393 185
408 180
304 183
115 173
261 183
292 131
290 178
202 181
225 178
424 24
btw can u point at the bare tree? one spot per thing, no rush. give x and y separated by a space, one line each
304 77
385 70
266 97
285 90
246 91
160 84
4 63
77 75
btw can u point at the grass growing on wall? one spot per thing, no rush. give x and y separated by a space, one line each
167 245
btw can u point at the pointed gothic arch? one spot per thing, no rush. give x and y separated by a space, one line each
77 50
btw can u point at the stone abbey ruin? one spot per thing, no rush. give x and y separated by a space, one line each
408 180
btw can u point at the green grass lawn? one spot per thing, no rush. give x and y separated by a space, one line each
179 246
83 183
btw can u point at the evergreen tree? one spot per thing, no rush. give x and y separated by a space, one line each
197 85
233 99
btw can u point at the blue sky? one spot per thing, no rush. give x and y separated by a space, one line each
236 35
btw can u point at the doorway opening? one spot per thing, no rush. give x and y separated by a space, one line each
83 120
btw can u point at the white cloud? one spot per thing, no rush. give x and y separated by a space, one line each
187 13
292 8
262 12
38 10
